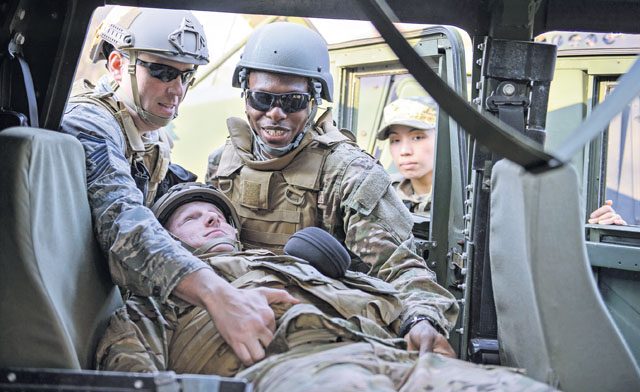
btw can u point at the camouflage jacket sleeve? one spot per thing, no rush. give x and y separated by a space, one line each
362 208
142 256
213 163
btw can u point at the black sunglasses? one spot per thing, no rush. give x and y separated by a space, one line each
167 73
288 102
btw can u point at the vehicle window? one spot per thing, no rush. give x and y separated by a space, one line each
372 93
622 158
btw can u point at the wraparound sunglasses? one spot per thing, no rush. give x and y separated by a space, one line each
288 102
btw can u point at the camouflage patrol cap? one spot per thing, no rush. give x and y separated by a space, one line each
290 49
171 34
187 192
414 113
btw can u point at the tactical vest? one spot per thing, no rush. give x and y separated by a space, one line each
277 197
149 160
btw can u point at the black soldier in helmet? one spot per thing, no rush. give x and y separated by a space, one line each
285 170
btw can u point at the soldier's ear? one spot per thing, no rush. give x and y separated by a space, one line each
117 65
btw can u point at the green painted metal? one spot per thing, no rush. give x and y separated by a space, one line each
614 256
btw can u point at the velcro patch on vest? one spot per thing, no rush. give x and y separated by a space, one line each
305 170
255 189
371 190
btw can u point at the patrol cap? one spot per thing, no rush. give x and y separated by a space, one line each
414 113
171 34
187 192
287 48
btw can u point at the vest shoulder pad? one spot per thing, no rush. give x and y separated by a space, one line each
83 91
331 139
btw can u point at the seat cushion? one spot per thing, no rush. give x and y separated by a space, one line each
55 289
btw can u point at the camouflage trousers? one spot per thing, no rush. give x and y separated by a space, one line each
375 367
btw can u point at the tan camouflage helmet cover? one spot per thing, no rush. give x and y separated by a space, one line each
171 34
414 113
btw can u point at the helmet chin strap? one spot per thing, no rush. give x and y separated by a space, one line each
209 245
147 117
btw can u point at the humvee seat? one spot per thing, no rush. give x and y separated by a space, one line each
551 318
56 294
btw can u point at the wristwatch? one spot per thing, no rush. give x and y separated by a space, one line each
412 321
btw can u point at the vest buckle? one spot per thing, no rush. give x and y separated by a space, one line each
294 195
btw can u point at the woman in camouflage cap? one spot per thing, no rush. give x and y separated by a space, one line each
410 125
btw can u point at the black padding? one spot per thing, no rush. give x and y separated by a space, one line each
321 250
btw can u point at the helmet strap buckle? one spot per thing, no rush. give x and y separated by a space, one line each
243 77
317 91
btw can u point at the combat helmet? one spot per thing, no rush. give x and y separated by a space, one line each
170 34
418 113
187 192
291 49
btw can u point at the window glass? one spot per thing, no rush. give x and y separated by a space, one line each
373 93
622 150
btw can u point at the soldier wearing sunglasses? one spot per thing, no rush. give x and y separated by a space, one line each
151 57
284 170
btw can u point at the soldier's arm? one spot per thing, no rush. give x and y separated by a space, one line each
136 339
377 229
142 256
212 164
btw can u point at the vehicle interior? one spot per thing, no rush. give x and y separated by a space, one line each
531 138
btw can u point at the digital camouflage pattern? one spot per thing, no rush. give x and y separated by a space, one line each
341 337
361 210
417 204
142 256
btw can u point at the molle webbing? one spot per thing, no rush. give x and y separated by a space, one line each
277 197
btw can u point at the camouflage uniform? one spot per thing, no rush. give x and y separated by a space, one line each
356 204
142 256
417 204
342 336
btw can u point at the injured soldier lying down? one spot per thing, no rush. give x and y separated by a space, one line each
342 335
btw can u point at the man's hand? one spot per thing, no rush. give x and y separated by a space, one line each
242 316
424 338
606 215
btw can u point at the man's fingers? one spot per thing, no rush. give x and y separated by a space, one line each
255 350
410 345
442 347
243 354
605 209
278 296
426 347
609 219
